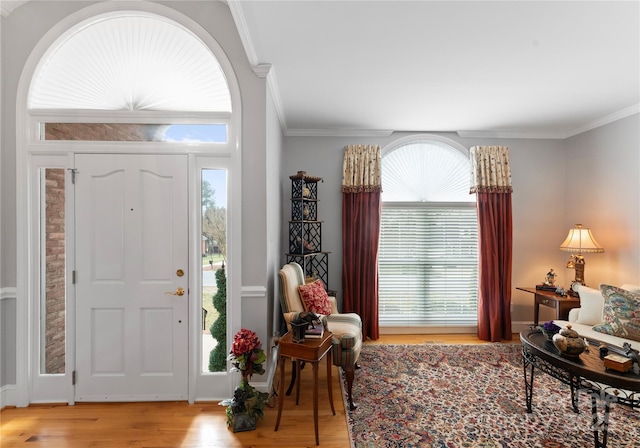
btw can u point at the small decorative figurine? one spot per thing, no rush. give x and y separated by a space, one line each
632 354
604 350
550 279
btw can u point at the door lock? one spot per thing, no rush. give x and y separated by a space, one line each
177 292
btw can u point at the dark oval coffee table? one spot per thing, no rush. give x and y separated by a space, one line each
584 373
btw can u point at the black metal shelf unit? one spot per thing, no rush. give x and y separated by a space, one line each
305 231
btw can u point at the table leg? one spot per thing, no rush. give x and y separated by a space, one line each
294 373
528 380
298 382
315 400
575 390
280 391
601 427
536 311
329 380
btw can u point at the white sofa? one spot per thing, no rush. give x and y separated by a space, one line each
590 313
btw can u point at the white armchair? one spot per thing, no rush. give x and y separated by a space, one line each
345 327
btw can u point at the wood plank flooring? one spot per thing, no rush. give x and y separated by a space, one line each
179 424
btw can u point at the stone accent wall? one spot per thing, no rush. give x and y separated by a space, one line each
55 271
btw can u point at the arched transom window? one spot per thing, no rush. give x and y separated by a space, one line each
130 61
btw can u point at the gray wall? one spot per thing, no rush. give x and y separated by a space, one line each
544 206
7 341
603 190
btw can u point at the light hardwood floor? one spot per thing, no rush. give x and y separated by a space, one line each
179 424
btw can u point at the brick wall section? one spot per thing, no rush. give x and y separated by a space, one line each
104 132
55 271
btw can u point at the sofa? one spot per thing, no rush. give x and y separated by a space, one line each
609 314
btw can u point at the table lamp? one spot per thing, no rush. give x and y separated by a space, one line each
579 240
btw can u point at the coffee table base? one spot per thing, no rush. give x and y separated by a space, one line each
599 393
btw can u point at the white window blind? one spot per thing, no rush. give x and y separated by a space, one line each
428 264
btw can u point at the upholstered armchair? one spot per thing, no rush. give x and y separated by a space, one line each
346 328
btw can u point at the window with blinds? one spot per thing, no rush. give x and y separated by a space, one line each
428 265
428 257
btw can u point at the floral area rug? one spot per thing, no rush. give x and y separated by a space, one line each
469 396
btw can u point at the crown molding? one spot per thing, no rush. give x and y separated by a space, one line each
619 115
513 134
235 6
337 133
560 135
272 83
7 7
262 70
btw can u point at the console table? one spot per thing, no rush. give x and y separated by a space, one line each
584 373
310 350
562 304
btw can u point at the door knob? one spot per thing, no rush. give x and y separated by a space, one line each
178 292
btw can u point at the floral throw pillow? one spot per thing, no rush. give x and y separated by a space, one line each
621 313
315 297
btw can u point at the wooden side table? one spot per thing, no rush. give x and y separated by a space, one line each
562 304
312 351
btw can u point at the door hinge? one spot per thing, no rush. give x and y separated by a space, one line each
73 378
73 174
73 277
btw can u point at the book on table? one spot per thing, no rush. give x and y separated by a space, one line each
314 332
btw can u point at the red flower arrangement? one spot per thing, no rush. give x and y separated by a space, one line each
246 353
246 356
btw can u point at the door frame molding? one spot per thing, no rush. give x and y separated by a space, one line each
29 149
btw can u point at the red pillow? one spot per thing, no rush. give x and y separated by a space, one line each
315 298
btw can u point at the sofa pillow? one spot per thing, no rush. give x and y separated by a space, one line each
315 297
591 304
621 313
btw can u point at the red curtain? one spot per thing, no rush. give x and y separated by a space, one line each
361 214
495 244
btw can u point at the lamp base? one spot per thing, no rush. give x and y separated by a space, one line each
580 272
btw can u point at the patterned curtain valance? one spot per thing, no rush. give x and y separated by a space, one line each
490 169
361 169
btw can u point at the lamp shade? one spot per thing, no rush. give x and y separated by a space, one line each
581 240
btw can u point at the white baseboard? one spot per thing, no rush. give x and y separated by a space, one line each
516 327
7 395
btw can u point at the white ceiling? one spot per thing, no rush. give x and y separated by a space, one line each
511 68
487 68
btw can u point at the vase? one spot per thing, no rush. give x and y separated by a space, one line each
569 342
243 422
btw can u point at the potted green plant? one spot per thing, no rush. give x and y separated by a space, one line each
247 404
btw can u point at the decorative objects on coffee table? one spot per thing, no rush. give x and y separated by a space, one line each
549 329
569 342
247 404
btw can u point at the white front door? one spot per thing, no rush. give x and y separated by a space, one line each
131 227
